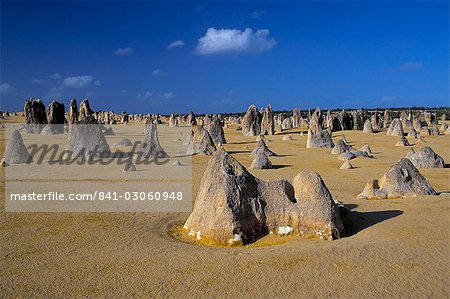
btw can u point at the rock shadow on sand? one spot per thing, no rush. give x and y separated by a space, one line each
356 222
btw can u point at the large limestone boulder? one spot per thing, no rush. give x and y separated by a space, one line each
251 123
286 124
87 139
191 120
319 140
215 130
16 152
402 180
426 158
296 118
261 148
403 142
233 207
200 142
368 126
395 128
173 120
261 161
85 110
315 121
340 147
386 119
150 147
55 118
35 116
72 114
267 122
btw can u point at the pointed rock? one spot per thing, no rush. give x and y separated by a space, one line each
150 147
368 127
346 165
395 128
261 161
16 152
123 142
201 142
366 148
347 155
426 158
403 142
340 147
319 140
251 123
86 138
261 147
215 130
402 180
287 138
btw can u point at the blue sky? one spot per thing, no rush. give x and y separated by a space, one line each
209 57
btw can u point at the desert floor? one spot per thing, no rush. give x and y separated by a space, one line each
393 248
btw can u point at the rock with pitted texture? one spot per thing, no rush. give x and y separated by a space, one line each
395 128
261 148
233 207
72 114
340 147
16 152
215 130
200 142
319 140
261 161
402 180
403 142
35 116
426 158
150 147
267 122
368 127
251 123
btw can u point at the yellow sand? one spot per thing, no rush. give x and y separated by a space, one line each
394 248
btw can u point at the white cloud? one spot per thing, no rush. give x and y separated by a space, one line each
158 73
146 95
258 14
124 51
36 81
168 95
220 41
5 88
55 76
412 65
78 81
175 44
97 83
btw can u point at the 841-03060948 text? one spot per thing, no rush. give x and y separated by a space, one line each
99 195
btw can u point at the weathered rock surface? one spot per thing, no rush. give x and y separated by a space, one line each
16 152
123 142
85 110
346 165
87 139
201 142
368 127
56 117
261 148
286 138
233 207
319 140
215 130
150 147
340 147
403 142
402 180
35 116
267 122
261 161
251 123
395 128
72 114
426 158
